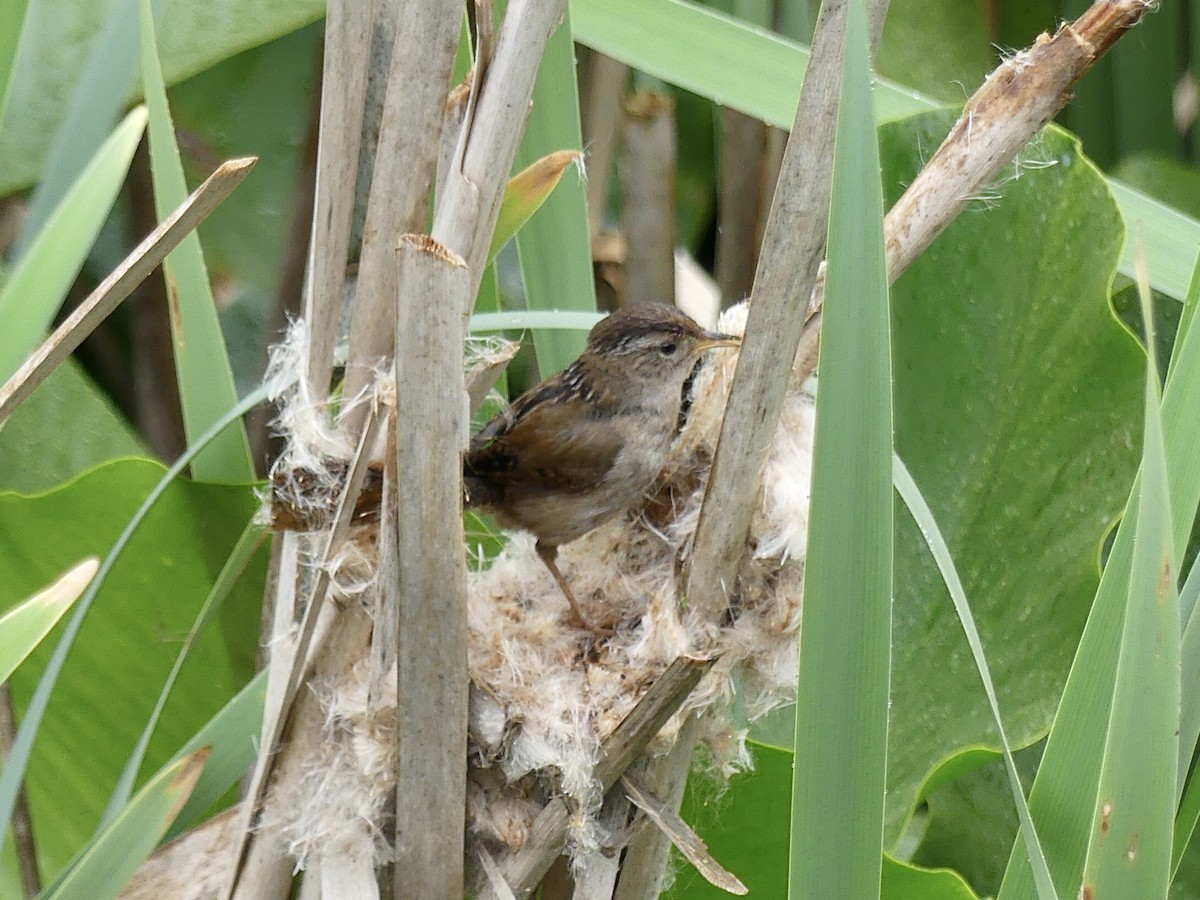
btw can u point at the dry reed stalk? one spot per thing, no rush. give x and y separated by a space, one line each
741 204
1018 99
608 80
405 160
474 183
343 86
793 247
431 656
648 192
121 281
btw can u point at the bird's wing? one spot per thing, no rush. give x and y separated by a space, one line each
542 444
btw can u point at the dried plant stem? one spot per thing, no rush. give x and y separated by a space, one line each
1009 109
599 879
22 824
524 868
681 835
648 187
343 86
743 193
646 859
294 670
132 271
608 80
474 184
793 246
431 655
405 161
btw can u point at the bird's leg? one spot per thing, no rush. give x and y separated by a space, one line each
548 553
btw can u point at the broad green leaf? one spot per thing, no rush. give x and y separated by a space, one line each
23 627
555 247
114 855
36 286
67 403
1017 398
131 637
845 661
206 388
1165 179
938 47
759 73
193 37
919 510
1071 767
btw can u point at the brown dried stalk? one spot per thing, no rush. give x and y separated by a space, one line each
121 281
1018 99
524 868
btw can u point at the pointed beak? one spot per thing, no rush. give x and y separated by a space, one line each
714 339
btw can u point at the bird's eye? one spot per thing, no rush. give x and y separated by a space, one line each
668 348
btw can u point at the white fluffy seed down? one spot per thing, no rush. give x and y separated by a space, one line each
544 694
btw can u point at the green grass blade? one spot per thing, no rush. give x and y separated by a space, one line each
112 857
923 516
1187 316
555 247
18 758
1189 657
1070 768
539 319
206 387
1129 854
1185 819
251 539
842 696
1189 719
37 284
97 96
24 626
759 73
12 19
233 735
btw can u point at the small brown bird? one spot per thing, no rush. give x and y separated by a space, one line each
587 444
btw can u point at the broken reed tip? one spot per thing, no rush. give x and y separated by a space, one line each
423 243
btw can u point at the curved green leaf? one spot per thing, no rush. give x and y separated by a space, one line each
114 855
23 627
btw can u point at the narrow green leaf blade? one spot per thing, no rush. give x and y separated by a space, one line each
525 194
1129 853
251 539
23 627
206 388
1071 766
12 18
115 853
842 698
923 516
555 247
38 283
